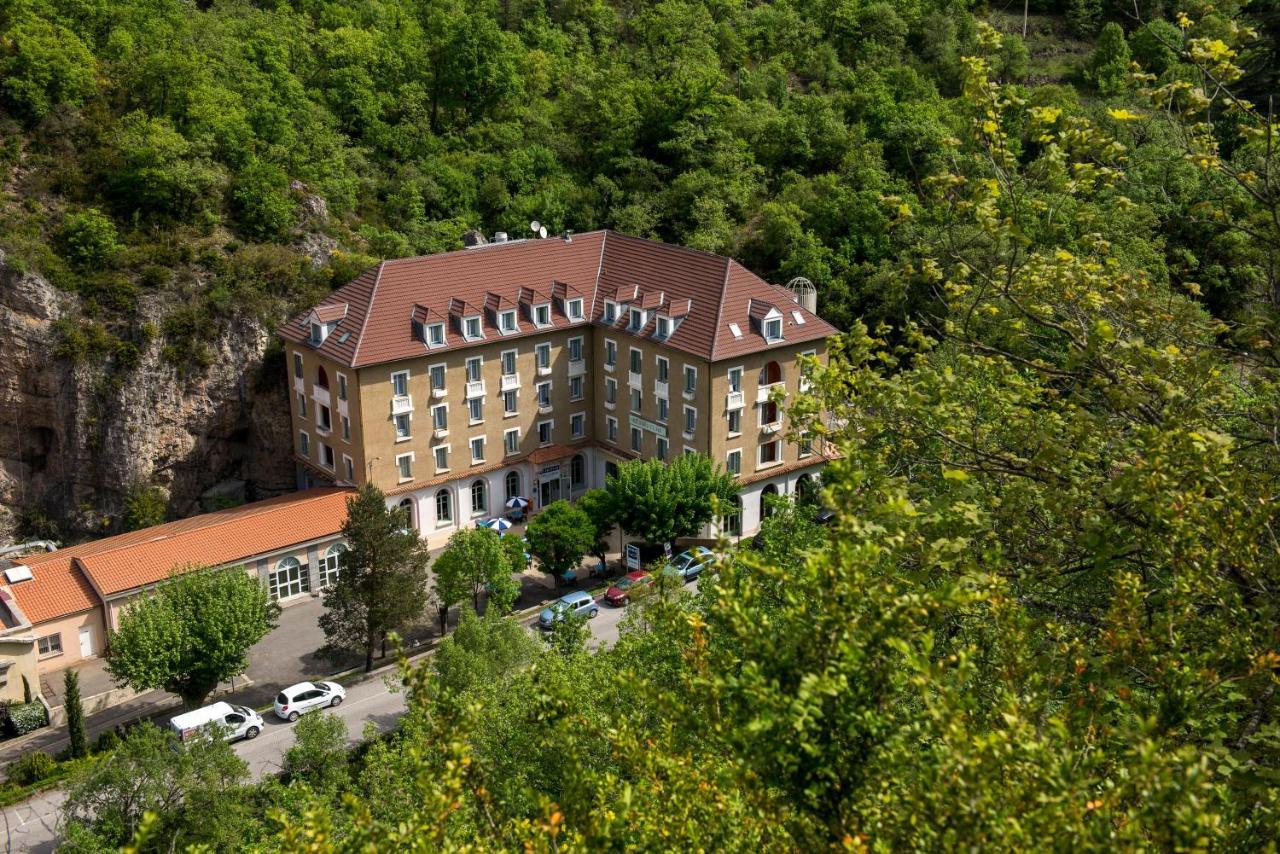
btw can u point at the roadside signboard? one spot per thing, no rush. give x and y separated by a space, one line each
666 549
633 556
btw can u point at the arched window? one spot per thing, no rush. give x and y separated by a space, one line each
770 374
444 509
806 490
406 507
331 564
767 495
289 578
479 497
322 377
513 485
731 523
578 471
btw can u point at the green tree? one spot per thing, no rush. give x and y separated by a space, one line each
319 753
43 65
383 583
559 536
1108 65
261 195
1084 16
481 651
89 238
180 796
475 558
194 631
144 506
75 714
660 502
598 505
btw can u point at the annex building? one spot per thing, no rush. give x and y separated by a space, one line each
531 368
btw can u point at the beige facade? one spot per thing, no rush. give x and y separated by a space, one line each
77 637
18 657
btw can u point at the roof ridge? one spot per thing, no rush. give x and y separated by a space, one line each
595 286
471 250
368 310
675 246
724 289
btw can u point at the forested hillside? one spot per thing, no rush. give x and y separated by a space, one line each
184 174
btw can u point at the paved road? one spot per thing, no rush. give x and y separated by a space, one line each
33 824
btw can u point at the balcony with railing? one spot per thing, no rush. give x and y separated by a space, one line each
401 403
734 400
577 367
510 382
762 396
634 379
660 389
475 388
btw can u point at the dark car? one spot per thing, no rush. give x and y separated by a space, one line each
627 586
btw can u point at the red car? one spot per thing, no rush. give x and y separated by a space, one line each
620 593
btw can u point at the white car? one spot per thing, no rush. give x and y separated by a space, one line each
308 696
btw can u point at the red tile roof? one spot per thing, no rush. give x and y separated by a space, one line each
64 580
707 292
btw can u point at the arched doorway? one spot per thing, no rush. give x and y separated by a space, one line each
770 374
513 484
767 496
444 506
331 564
806 489
479 497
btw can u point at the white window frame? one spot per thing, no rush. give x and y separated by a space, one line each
467 334
302 404
435 457
768 323
636 402
472 419
52 646
472 443
342 385
471 496
664 410
577 388
515 410
299 367
404 374
551 432
434 423
538 311
611 429
635 360
636 319
760 462
332 464
349 466
304 443
663 448
690 430
763 407
515 362
408 421
732 454
637 440
610 311
735 378
444 376
538 351
538 393
662 330
506 441
478 361
610 354
569 347
346 429
578 425
610 390
664 369
443 521
512 315
400 467
573 308
436 330
688 371
729 416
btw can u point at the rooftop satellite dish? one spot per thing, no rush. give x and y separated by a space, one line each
534 226
542 232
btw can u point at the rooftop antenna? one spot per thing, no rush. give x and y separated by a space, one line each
804 293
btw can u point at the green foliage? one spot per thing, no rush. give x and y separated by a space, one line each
659 502
383 583
598 506
26 689
144 506
193 632
75 714
472 562
42 65
1084 16
187 794
89 238
262 202
481 651
319 752
31 768
1156 46
22 718
559 536
1108 66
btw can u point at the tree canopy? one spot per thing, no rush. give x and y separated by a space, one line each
659 501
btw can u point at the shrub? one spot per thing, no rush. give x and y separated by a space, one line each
44 65
1108 67
261 197
89 238
1155 46
26 717
32 768
144 506
106 742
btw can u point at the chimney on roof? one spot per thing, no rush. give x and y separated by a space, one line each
473 238
568 236
499 237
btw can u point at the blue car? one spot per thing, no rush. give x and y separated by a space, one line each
688 565
578 602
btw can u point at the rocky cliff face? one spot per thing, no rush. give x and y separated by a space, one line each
73 438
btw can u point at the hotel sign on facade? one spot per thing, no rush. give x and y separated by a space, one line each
651 426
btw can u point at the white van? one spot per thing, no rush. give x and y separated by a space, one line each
236 721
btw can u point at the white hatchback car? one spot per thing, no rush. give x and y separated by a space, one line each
307 696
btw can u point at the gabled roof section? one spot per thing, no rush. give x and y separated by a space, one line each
708 292
329 313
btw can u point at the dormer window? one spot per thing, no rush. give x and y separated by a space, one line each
435 335
773 329
542 314
637 320
610 311
507 321
471 328
574 309
318 334
664 328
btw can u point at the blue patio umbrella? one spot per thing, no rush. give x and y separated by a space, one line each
517 503
499 525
